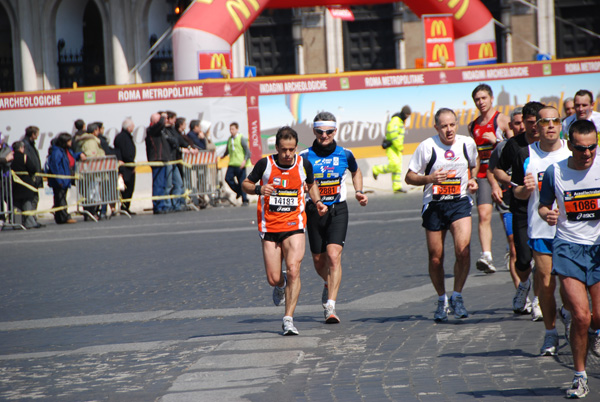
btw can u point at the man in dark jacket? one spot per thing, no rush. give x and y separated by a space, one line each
23 195
31 135
158 150
176 143
125 150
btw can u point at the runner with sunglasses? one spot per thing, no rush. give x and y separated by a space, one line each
327 233
574 184
528 173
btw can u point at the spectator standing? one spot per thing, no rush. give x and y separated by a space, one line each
157 150
125 150
200 134
80 129
239 155
90 144
61 161
22 195
6 157
31 135
108 150
174 186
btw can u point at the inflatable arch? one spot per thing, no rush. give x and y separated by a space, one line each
207 30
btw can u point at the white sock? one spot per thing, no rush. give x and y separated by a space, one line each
581 374
288 317
487 254
331 302
455 294
443 298
552 332
527 283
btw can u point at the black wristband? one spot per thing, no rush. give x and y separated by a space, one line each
358 192
319 200
257 189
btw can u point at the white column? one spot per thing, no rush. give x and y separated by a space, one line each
27 46
334 43
546 27
118 42
238 57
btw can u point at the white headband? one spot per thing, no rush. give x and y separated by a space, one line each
324 124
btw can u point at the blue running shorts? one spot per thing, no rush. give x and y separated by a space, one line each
542 246
438 216
579 261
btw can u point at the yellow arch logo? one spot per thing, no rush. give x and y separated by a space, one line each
438 28
486 51
217 60
439 50
235 6
458 14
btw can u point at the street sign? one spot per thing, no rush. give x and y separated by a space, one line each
249 71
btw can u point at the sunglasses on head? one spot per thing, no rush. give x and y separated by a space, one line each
545 122
582 148
321 131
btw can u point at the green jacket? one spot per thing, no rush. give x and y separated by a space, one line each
395 133
237 149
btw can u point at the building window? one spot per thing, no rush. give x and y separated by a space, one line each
269 43
369 39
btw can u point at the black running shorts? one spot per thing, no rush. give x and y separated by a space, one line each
279 237
330 228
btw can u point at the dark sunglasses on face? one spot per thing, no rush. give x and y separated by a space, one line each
581 148
545 122
321 131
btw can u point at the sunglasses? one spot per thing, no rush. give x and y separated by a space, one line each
321 131
545 122
581 148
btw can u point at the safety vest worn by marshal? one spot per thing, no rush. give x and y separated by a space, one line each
395 133
284 209
235 150
331 171
485 148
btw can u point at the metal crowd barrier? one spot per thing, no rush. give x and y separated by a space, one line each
97 183
200 174
7 208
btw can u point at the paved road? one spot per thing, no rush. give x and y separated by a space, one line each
176 308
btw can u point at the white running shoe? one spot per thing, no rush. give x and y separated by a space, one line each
579 388
288 327
330 316
520 299
458 307
536 311
441 313
550 345
485 264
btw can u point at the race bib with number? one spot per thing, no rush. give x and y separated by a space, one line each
485 151
282 200
329 189
582 205
449 189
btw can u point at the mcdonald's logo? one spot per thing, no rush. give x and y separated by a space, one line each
439 51
458 14
438 28
235 6
486 51
217 60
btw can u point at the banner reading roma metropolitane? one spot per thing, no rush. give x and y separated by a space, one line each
362 103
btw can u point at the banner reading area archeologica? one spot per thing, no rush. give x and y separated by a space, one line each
364 103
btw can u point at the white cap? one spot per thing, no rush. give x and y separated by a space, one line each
205 125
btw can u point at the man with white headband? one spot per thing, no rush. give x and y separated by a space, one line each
327 233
